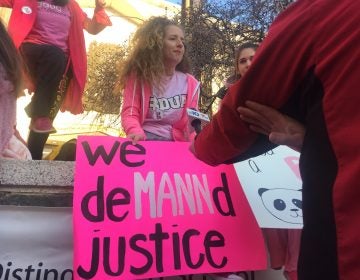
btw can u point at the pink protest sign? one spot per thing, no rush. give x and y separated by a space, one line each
153 210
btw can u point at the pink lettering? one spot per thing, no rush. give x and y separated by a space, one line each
293 163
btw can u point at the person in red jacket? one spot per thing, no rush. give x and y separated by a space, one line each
311 53
49 36
283 244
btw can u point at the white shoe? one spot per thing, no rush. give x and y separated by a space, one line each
225 277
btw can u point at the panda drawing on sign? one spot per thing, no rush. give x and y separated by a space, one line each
283 204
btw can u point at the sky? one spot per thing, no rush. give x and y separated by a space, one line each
175 1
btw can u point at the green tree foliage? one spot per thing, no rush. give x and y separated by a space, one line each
214 29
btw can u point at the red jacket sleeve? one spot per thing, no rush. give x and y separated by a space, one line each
279 65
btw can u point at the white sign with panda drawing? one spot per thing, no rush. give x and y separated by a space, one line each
272 185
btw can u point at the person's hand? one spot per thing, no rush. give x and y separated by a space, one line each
135 138
281 129
100 3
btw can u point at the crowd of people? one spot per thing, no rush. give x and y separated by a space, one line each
300 91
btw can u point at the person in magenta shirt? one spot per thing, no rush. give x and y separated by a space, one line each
49 36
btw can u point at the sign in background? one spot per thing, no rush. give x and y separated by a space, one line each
272 185
152 209
35 243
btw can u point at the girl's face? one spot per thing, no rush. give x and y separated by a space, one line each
173 46
244 60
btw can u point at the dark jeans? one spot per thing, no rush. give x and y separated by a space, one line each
46 66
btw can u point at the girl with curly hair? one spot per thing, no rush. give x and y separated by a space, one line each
157 87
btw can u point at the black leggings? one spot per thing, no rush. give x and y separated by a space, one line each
46 66
36 143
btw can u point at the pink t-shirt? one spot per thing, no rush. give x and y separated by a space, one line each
166 106
51 26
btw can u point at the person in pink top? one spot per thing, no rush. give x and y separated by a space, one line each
242 61
283 244
49 36
243 58
157 88
11 145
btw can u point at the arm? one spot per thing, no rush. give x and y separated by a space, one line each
274 76
131 114
100 19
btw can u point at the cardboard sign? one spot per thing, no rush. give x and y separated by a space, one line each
273 187
153 210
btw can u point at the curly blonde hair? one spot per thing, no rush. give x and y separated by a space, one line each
145 60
